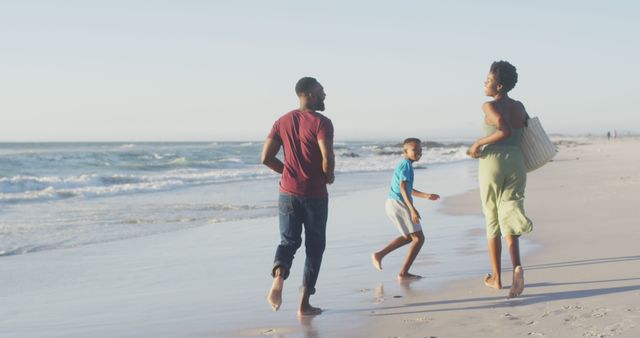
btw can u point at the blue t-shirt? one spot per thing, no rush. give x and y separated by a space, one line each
403 172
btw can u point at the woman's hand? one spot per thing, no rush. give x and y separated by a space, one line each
474 151
434 197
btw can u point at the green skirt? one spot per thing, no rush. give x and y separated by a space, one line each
503 178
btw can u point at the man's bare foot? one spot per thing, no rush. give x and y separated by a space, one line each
308 310
377 260
408 276
275 294
517 286
492 282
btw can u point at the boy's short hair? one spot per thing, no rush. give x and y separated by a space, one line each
505 74
305 85
412 140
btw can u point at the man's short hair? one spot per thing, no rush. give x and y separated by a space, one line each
411 140
305 85
505 74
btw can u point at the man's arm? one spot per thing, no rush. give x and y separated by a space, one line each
268 157
328 159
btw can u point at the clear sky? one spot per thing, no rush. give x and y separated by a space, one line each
225 70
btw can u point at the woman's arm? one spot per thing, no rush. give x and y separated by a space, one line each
494 118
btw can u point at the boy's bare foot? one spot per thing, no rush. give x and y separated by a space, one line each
492 282
275 294
517 286
308 310
408 276
377 260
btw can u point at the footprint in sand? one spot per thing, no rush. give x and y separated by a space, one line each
417 320
509 316
599 313
572 307
535 334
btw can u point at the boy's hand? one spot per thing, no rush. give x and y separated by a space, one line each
415 216
434 197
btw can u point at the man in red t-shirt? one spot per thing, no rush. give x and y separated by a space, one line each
307 139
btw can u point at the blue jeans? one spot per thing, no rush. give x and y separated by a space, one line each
296 211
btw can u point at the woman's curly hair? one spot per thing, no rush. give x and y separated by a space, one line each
505 74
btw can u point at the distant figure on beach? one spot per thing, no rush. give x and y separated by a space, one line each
608 135
402 212
502 175
307 139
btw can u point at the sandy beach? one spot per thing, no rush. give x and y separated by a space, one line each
583 279
581 267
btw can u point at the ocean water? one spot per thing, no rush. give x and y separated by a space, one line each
61 195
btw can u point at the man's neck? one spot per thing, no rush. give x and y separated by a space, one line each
306 109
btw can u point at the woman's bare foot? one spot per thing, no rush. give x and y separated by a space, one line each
376 258
517 286
308 310
492 282
275 294
408 276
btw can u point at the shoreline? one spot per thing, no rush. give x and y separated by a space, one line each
206 281
581 280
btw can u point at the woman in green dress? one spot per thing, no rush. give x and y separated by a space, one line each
502 175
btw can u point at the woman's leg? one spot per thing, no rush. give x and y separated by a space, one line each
495 252
517 285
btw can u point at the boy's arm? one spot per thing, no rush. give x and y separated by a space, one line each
415 216
328 159
268 157
419 193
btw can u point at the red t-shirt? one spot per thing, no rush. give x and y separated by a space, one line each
299 133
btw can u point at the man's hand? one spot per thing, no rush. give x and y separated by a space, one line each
434 197
330 178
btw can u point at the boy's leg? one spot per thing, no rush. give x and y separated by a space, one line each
290 241
495 251
517 284
417 240
315 226
397 242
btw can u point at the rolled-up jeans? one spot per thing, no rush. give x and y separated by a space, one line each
296 212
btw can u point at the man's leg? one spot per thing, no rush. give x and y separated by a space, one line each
517 285
290 241
397 242
315 226
417 240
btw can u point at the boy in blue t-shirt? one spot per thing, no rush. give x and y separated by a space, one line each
403 214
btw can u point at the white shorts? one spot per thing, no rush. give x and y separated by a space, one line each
400 215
